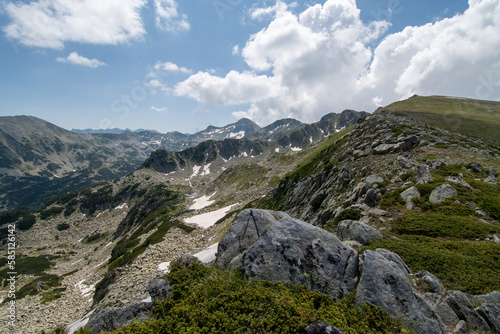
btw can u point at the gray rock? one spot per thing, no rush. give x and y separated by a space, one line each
304 254
436 164
422 174
355 230
408 195
496 239
490 298
461 328
491 179
441 307
491 313
459 180
407 143
158 289
383 148
395 259
320 328
405 162
442 193
370 198
372 181
112 318
476 167
249 226
433 282
385 285
492 173
462 306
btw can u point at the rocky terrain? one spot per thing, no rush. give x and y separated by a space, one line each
393 211
39 160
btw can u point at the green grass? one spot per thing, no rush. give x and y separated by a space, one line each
469 266
437 225
474 118
208 300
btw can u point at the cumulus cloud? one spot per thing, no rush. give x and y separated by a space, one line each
51 23
168 18
326 59
76 59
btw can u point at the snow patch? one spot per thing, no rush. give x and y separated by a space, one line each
244 154
277 150
206 220
85 290
196 171
122 206
238 135
202 202
204 256
296 149
70 329
206 169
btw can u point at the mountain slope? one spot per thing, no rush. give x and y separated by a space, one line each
475 118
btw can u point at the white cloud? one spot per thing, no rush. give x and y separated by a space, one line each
170 67
167 17
76 59
51 23
323 60
161 110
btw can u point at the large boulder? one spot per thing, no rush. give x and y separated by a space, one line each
112 318
358 231
159 289
408 195
442 193
291 250
249 226
462 305
385 283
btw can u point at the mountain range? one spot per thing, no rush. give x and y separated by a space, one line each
39 160
376 223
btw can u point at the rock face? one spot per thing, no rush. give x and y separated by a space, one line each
442 193
321 328
385 284
112 318
158 289
358 231
304 254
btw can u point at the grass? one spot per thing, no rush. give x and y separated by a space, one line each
208 300
473 118
469 266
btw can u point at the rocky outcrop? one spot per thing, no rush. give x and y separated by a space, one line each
358 231
261 241
304 253
422 174
385 284
320 328
408 195
112 318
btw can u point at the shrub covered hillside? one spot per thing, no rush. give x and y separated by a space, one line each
208 300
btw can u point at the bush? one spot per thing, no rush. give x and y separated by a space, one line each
348 214
208 300
63 226
48 213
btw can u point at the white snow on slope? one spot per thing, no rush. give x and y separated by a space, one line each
238 135
206 220
204 256
202 202
206 169
196 170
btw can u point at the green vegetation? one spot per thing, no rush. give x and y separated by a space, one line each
242 176
51 212
208 300
347 214
468 266
62 226
94 238
474 118
444 226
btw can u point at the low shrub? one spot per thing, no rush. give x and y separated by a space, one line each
208 300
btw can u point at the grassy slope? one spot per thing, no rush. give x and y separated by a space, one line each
474 118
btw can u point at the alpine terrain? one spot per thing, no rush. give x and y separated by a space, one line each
359 223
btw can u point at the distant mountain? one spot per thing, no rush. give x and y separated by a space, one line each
39 159
115 131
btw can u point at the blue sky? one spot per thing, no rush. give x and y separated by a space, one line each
177 65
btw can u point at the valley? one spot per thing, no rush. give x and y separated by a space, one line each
136 202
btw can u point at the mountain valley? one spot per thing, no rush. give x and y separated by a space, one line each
420 175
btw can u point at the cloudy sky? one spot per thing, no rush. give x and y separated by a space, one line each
183 65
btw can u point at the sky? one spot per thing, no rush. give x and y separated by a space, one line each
177 65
